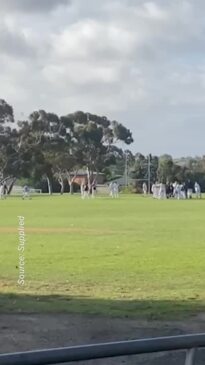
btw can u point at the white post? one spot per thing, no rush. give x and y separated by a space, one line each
126 170
149 174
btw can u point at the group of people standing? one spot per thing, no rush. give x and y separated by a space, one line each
114 190
88 190
176 190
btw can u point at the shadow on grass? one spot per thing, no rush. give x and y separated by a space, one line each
143 309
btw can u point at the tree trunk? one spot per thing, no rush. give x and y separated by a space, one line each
62 187
50 190
89 179
88 176
62 184
11 186
5 179
71 187
71 181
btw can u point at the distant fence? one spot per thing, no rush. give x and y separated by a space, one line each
19 191
103 189
188 343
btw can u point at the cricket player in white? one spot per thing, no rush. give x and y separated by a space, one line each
154 190
177 191
111 190
162 191
144 188
116 190
189 193
87 191
197 189
182 192
26 192
82 190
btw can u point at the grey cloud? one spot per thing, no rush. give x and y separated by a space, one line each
30 5
14 43
138 61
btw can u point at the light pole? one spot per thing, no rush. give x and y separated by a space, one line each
149 174
126 169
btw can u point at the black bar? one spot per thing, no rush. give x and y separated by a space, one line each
104 350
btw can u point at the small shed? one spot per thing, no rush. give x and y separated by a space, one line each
81 176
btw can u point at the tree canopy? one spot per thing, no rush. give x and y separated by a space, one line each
47 145
50 147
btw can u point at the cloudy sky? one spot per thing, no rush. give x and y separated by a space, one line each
140 62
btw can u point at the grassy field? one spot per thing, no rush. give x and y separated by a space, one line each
128 257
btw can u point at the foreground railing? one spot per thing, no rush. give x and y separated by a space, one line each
114 349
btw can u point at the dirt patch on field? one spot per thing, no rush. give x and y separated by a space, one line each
48 230
20 332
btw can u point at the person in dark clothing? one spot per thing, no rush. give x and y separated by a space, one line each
186 189
5 190
87 191
169 190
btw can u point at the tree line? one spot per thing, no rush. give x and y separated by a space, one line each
48 150
51 147
165 169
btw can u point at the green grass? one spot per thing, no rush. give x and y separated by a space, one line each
128 257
